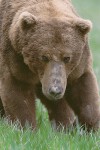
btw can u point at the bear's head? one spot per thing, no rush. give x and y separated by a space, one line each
52 48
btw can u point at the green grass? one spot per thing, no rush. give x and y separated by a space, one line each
45 138
11 138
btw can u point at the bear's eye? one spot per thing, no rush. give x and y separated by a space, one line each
66 59
45 58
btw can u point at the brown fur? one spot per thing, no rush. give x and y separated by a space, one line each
45 54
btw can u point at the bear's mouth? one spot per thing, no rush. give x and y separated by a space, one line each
55 97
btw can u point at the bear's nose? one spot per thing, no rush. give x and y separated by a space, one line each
55 91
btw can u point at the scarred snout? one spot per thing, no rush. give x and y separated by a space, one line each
54 81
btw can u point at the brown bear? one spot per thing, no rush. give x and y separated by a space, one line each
45 53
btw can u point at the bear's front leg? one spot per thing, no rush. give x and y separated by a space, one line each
2 112
85 100
61 115
18 101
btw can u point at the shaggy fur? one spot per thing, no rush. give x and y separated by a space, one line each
44 53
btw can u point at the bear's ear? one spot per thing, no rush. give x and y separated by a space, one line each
84 25
26 20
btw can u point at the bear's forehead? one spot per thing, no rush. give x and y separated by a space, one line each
53 36
55 28
56 35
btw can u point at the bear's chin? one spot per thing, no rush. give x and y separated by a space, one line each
54 98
